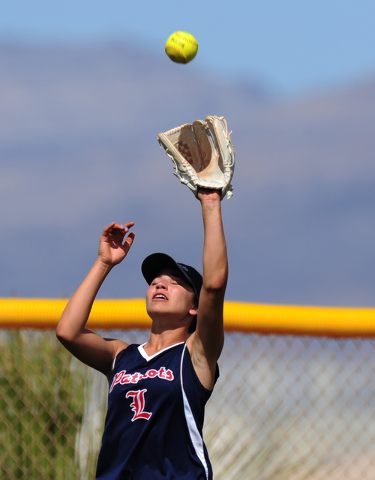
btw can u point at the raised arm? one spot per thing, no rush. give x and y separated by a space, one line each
207 341
71 331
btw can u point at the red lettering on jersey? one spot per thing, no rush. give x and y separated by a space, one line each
125 379
169 375
136 377
117 379
122 377
138 404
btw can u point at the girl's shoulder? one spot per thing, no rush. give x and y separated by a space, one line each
127 349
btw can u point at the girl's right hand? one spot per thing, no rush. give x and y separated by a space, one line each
112 248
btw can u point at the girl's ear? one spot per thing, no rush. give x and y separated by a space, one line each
193 311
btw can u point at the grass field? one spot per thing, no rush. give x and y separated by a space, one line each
41 407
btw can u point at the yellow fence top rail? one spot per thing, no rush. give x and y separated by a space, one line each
43 313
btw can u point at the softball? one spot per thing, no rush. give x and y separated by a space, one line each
181 47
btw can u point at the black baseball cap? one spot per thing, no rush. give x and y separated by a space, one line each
154 263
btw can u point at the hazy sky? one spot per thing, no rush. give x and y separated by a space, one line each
294 46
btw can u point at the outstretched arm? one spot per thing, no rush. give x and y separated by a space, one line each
84 344
207 341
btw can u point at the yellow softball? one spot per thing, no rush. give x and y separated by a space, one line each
181 47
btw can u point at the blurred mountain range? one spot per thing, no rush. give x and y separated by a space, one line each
78 150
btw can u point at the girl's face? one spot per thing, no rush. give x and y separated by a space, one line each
171 295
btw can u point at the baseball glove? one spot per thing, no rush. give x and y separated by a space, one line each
203 154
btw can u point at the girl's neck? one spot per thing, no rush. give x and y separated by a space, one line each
162 340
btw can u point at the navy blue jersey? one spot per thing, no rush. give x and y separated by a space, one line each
153 427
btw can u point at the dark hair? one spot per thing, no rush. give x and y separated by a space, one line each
193 325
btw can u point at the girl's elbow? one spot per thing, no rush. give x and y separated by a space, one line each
63 334
216 283
215 287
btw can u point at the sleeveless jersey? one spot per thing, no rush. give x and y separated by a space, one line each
153 427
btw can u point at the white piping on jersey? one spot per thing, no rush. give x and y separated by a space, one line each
148 357
195 436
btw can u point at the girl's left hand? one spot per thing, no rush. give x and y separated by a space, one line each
112 248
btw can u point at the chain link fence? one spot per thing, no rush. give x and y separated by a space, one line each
284 408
